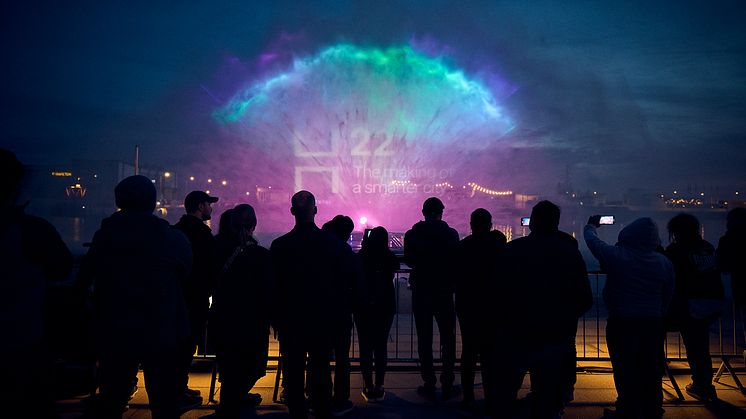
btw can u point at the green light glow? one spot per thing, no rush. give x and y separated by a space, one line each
394 90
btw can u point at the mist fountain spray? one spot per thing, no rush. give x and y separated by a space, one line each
370 131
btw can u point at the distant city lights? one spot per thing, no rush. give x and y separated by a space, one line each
479 188
444 185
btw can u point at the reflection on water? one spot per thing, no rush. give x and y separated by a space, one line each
76 231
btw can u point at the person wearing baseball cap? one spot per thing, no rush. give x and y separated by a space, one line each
198 204
199 286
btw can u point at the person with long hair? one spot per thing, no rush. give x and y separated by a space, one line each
241 310
697 298
376 309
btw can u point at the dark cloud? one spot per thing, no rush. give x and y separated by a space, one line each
622 93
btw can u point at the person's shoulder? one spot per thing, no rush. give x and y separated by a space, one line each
518 242
284 241
258 250
567 238
415 228
37 225
452 231
706 246
173 233
662 258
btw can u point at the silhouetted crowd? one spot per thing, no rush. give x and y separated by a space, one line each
156 289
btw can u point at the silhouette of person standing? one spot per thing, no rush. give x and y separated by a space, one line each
243 302
547 286
31 254
478 254
638 290
341 226
730 252
375 311
138 263
199 285
310 270
697 299
430 250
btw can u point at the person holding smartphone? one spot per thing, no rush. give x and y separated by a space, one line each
638 290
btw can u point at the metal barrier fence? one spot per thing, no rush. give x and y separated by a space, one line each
590 337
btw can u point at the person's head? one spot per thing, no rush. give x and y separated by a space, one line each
303 206
545 217
432 208
243 221
11 173
683 228
199 204
135 194
224 225
341 226
481 221
378 239
736 220
641 234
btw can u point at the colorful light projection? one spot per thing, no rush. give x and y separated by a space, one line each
365 126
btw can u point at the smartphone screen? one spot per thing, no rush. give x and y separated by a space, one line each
606 220
367 232
525 221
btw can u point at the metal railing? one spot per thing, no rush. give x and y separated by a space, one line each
590 338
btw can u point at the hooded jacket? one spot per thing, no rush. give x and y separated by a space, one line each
430 249
640 280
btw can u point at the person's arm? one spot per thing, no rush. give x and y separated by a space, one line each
723 255
89 264
668 285
598 247
44 244
410 249
583 293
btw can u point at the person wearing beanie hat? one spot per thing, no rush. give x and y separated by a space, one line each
135 193
137 264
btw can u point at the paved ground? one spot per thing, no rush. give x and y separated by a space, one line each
594 392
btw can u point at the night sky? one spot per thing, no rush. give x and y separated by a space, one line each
624 94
